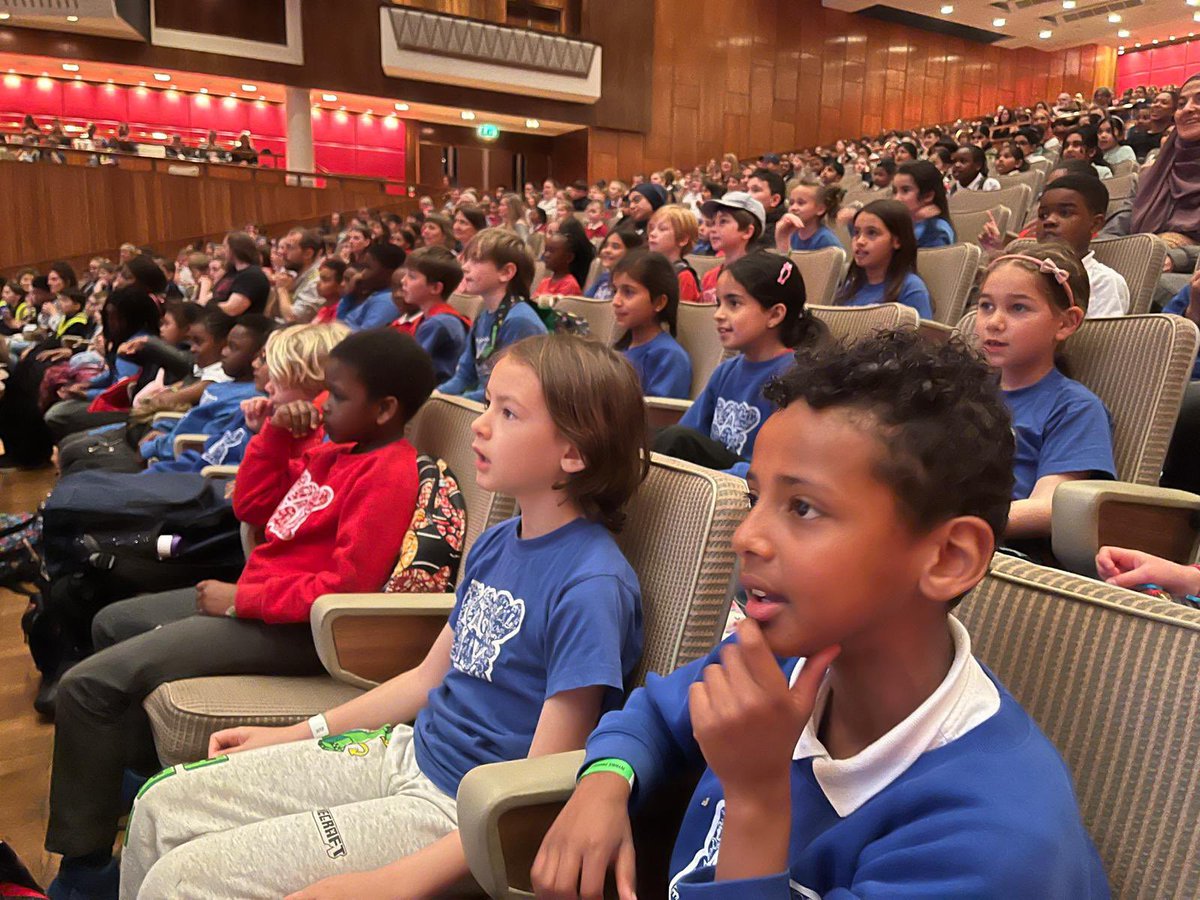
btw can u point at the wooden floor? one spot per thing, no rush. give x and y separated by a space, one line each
26 749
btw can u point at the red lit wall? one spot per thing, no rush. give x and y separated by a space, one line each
342 142
1158 65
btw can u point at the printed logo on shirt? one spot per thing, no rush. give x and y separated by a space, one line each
487 620
215 455
331 837
732 423
305 498
207 397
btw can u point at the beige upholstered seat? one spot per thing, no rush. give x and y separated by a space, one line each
1034 178
677 538
1121 187
822 272
1104 672
1125 167
1017 197
597 313
697 334
968 224
1138 366
853 323
949 273
703 264
467 304
183 713
594 271
1138 258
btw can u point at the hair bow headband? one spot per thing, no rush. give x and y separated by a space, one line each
1046 267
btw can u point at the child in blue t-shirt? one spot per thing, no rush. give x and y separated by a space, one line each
919 186
370 304
496 266
816 782
810 205
761 314
420 289
615 246
1029 303
646 300
546 629
884 264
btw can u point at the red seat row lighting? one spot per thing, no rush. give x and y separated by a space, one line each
342 142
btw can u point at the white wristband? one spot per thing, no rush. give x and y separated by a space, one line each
318 725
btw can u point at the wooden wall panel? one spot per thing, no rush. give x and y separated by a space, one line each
764 75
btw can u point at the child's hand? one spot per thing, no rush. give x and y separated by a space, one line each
256 410
55 355
990 238
215 598
300 417
591 834
351 886
149 436
747 719
132 346
72 392
1131 568
788 223
251 737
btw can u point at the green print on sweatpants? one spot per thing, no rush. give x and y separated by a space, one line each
354 742
163 776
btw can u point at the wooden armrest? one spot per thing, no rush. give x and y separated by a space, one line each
1088 515
71 341
189 442
504 811
935 331
219 471
662 412
363 639
166 416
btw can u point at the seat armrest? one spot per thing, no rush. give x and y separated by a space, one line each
504 811
935 331
363 639
662 412
189 442
167 416
219 471
1088 515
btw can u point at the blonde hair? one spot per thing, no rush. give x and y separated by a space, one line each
683 223
516 210
296 356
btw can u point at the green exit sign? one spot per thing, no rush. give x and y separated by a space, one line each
488 132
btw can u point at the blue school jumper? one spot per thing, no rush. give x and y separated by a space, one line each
821 238
219 405
224 449
471 376
444 338
1177 306
912 293
663 367
375 311
935 232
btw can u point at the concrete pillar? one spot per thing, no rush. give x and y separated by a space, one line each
298 110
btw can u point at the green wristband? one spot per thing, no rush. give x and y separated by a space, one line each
616 766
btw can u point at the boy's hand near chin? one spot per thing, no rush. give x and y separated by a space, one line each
300 417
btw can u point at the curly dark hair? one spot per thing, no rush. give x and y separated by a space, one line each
944 427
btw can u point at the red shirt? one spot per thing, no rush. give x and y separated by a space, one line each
326 314
596 231
566 286
689 291
708 284
334 520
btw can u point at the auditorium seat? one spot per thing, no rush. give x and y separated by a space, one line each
597 313
467 304
702 264
1137 257
1016 197
949 273
969 225
697 334
822 272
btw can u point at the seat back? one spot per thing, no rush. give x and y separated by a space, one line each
697 334
1125 167
594 271
1034 178
467 304
597 313
1104 673
1138 366
703 264
442 428
1041 165
949 273
536 242
843 235
848 324
1016 197
1121 187
969 225
678 537
822 272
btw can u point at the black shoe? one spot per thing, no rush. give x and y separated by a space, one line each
47 697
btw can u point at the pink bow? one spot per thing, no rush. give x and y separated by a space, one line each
1046 267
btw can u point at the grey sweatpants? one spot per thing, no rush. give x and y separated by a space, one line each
268 822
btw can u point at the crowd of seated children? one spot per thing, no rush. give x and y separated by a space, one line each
920 187
1029 304
545 631
672 231
646 305
760 314
420 290
811 205
614 247
883 262
568 258
903 446
737 221
498 268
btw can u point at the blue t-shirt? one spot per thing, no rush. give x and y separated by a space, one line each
732 408
471 376
1177 306
375 311
912 293
443 336
935 232
534 618
602 287
220 405
1060 427
821 238
224 449
663 367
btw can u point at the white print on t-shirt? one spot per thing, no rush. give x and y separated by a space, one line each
708 853
487 619
305 498
215 455
732 423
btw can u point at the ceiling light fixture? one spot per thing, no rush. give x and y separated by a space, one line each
70 67
329 98
947 9
1123 33
249 88
1196 17
532 123
998 23
1045 34
1068 4
204 90
5 16
72 18
1114 18
161 76
467 115
402 107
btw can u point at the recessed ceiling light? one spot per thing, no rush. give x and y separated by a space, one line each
110 81
1114 18
1155 41
161 76
1068 4
141 84
947 9
79 78
998 23
1138 44
72 18
329 98
1171 38
1045 34
532 123
204 90
233 93
70 67
1123 33
5 16
402 107
343 108
467 115
249 88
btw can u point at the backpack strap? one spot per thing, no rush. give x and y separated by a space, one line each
445 309
433 544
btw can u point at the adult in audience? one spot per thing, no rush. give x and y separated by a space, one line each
249 288
643 201
437 231
549 201
297 294
1148 136
468 222
512 215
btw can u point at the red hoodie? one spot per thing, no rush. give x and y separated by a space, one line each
334 520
